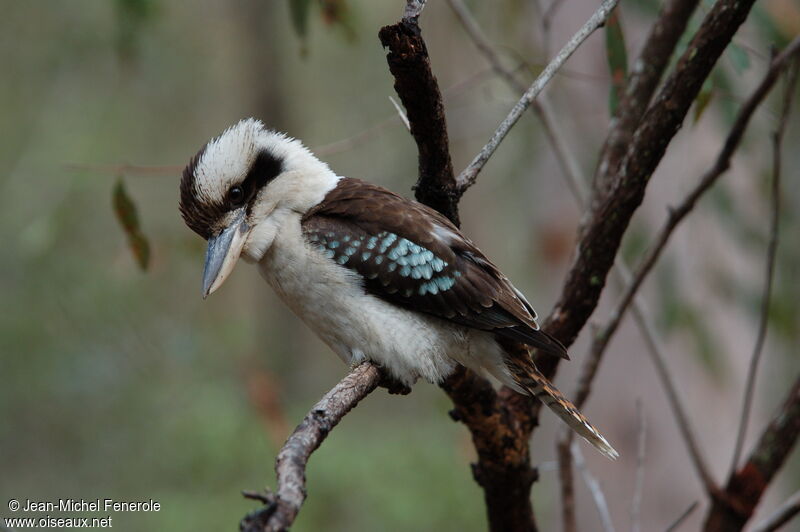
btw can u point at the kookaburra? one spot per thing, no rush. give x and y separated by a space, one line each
376 276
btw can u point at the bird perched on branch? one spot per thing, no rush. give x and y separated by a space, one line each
374 275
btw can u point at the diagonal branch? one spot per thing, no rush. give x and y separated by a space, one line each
782 515
281 508
676 216
613 206
731 509
468 177
772 249
642 82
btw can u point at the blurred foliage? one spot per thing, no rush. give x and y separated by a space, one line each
335 13
132 17
677 312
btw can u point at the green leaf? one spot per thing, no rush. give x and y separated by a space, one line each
703 99
128 218
617 59
298 9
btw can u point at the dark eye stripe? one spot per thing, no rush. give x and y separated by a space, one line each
265 168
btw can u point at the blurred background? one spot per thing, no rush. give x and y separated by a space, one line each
121 382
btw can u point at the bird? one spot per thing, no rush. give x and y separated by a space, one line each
376 276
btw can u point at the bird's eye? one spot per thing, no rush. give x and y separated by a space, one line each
236 196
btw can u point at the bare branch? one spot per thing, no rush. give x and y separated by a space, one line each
419 91
772 249
605 224
578 186
401 113
468 177
413 10
676 215
645 73
782 515
126 169
638 487
594 488
681 518
563 445
566 159
290 465
731 509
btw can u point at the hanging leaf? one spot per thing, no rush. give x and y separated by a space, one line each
617 59
128 218
299 10
703 99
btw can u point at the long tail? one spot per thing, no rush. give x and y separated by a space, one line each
529 378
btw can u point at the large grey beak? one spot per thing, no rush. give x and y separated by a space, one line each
223 252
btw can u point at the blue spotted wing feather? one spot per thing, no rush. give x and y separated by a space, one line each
414 257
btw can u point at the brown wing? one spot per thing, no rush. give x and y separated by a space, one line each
414 257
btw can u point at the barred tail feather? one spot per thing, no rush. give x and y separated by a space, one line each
536 384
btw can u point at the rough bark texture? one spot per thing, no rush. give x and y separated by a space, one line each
642 83
419 91
734 507
501 423
503 468
281 508
615 201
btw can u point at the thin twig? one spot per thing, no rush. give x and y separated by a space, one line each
125 169
469 175
681 518
401 112
578 186
566 159
677 215
731 509
290 464
569 523
772 248
413 10
638 486
594 488
782 515
643 79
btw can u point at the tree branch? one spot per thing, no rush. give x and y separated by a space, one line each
772 249
781 516
614 205
468 177
731 509
643 79
281 508
676 215
503 467
419 91
681 518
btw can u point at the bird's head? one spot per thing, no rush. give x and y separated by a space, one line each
240 187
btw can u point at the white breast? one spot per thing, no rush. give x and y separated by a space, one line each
331 300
